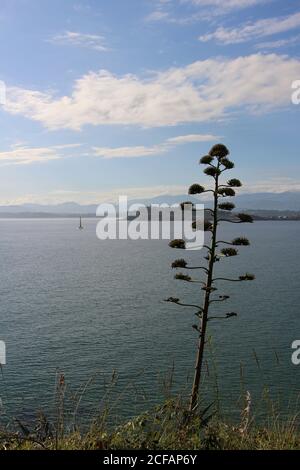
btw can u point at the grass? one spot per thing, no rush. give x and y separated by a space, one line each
258 423
166 427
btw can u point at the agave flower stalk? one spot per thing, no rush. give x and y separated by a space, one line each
217 162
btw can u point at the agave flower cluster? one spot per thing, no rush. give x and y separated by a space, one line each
217 163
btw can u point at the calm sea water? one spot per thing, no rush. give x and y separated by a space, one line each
73 304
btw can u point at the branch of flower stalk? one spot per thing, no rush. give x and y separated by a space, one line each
182 264
225 243
207 247
243 218
184 305
209 289
241 279
222 298
240 241
196 327
197 267
186 278
232 221
193 281
196 188
209 210
228 315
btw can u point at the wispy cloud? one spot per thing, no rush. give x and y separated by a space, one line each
272 185
157 15
71 38
60 195
227 5
203 9
143 151
23 154
252 31
82 7
112 195
279 43
186 139
200 92
20 154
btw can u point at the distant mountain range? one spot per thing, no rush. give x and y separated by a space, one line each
251 201
288 201
59 209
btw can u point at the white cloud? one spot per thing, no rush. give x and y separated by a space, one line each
203 9
279 43
71 38
157 15
142 151
249 31
20 154
272 185
227 4
183 139
129 152
94 197
202 91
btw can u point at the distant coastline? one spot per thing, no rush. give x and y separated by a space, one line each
259 215
262 206
42 215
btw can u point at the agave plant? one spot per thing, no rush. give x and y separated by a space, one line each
217 163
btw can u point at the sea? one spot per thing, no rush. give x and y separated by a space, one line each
85 323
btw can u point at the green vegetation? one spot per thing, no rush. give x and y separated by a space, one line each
167 427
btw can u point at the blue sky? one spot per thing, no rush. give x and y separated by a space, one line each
124 96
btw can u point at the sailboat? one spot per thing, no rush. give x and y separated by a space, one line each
80 224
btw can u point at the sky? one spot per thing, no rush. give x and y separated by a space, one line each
121 97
